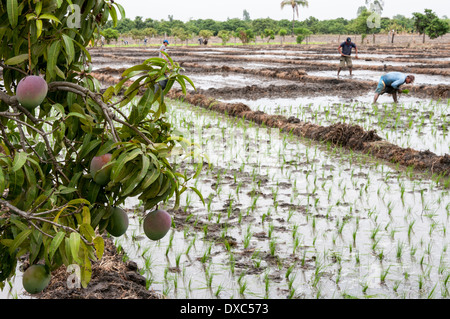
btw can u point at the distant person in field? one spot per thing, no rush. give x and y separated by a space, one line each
200 41
162 49
205 42
162 84
390 83
345 50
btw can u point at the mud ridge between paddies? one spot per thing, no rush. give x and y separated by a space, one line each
318 66
304 84
327 84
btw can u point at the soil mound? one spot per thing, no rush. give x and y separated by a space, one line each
111 279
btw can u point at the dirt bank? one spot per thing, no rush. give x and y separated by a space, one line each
111 279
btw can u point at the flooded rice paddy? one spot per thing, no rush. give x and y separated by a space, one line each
290 217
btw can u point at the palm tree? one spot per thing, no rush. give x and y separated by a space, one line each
294 4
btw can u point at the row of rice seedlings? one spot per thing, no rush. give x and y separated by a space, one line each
422 125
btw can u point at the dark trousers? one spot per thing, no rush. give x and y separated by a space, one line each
161 84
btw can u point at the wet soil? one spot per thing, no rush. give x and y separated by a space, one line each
299 68
112 278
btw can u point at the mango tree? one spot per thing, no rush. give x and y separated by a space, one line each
71 153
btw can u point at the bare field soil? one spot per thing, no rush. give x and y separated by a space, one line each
296 65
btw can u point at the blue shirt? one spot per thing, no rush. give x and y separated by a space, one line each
394 79
347 47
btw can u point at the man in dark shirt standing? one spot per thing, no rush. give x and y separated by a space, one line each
345 49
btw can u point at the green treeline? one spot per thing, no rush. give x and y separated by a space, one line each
268 28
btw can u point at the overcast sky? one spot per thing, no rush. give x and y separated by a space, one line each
222 10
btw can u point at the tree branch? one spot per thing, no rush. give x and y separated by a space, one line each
78 89
30 217
4 66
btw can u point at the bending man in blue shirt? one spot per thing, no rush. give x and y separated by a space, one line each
390 83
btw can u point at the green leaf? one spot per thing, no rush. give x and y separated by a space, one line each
151 176
38 167
99 245
38 27
63 190
138 178
19 160
113 13
38 7
69 48
121 10
17 59
74 242
52 58
86 52
86 215
2 182
81 116
187 79
78 201
140 67
94 188
198 193
32 190
87 231
18 223
121 161
31 16
107 147
59 72
181 81
35 245
55 220
49 16
12 8
19 240
56 241
86 267
133 87
119 85
108 94
59 108
88 148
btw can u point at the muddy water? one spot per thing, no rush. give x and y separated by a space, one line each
261 65
16 289
232 80
421 79
286 218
